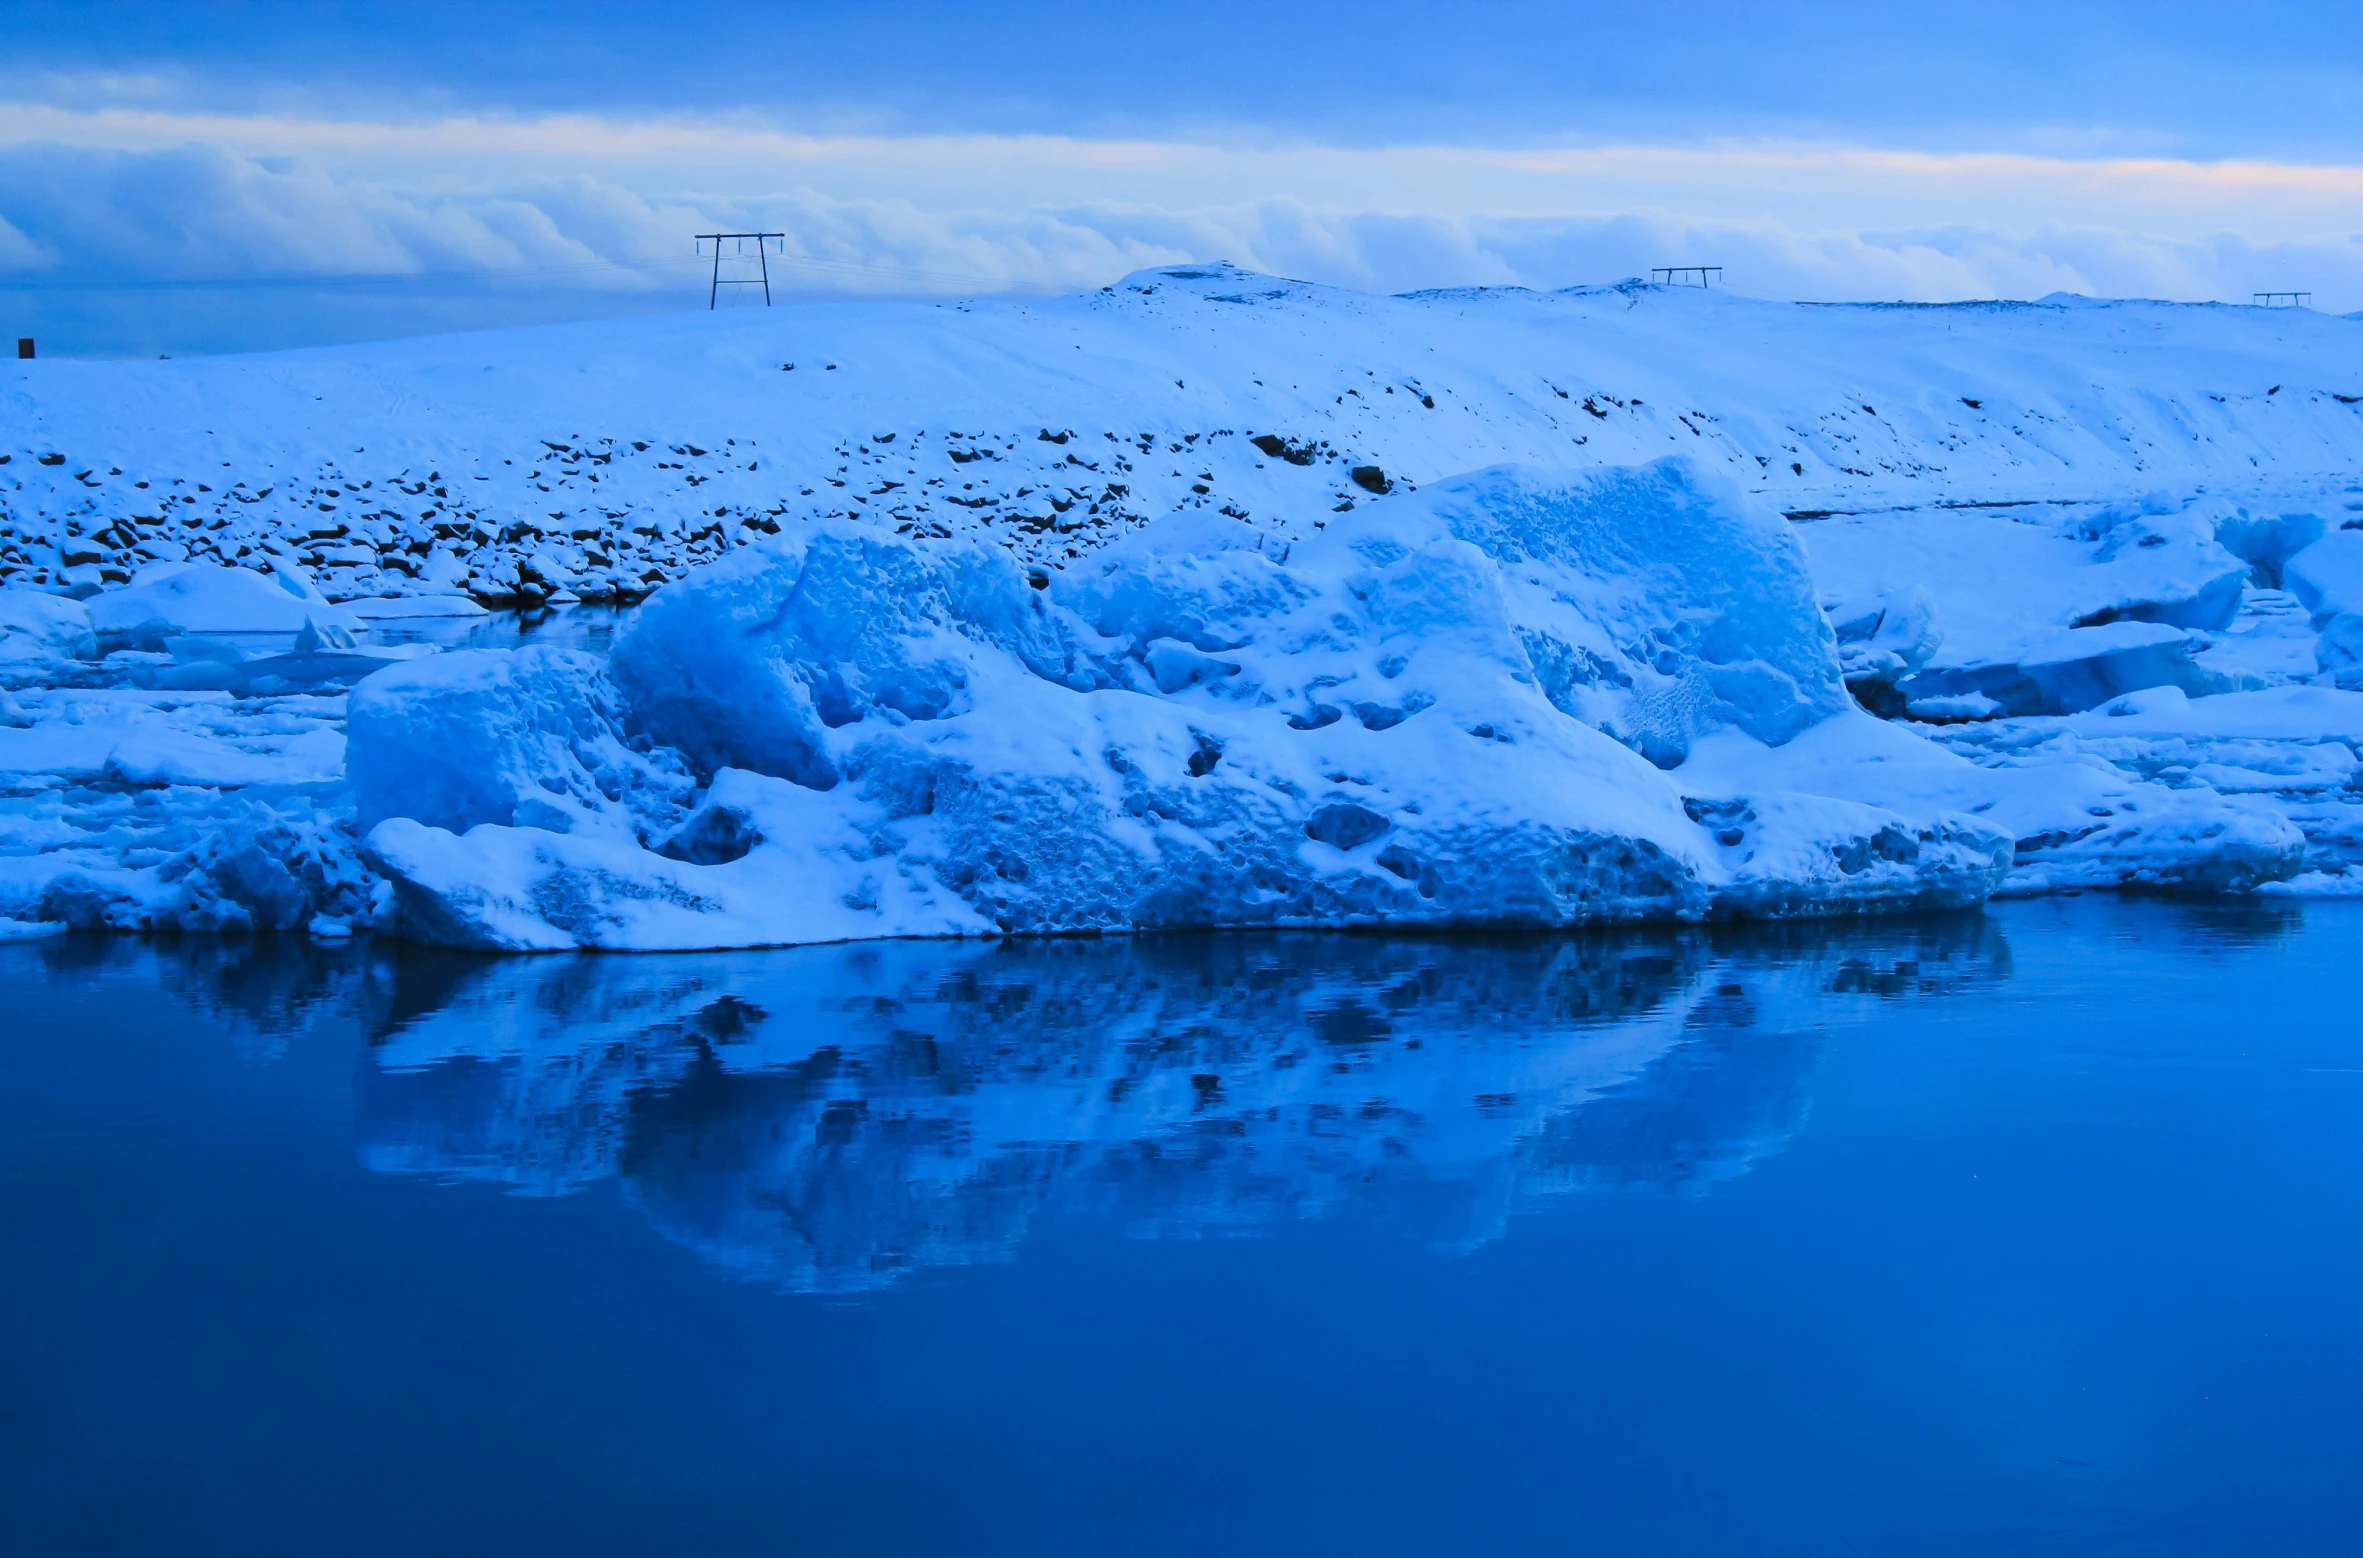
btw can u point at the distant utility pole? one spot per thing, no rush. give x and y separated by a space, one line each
762 278
1666 275
2285 300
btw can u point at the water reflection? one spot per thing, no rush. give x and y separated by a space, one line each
832 1118
262 992
591 628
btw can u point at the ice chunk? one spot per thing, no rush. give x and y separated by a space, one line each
2327 577
2150 700
35 626
2266 540
2084 667
2339 651
2168 568
222 861
777 649
1427 715
1655 603
175 598
1999 587
2077 819
2270 644
529 889
1882 642
529 737
156 754
2079 669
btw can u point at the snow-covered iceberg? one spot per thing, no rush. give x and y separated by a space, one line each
173 598
1468 706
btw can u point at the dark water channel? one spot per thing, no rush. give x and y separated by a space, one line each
2031 1232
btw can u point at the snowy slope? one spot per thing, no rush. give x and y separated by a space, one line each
609 456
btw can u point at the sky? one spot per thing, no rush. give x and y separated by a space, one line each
205 176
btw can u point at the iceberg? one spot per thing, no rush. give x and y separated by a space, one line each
1467 706
174 598
38 630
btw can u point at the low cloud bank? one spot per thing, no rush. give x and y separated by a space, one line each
108 250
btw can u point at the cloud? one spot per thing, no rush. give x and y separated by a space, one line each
467 217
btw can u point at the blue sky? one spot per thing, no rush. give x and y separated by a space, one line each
196 176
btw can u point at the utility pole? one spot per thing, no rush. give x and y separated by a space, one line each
763 266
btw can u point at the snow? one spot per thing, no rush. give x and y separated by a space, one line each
1203 600
602 458
2327 577
524 738
406 609
1455 708
130 809
172 598
40 627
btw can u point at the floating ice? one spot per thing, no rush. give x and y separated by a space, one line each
41 628
173 598
1451 709
2327 577
412 607
1952 615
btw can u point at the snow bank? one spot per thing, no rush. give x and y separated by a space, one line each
1450 709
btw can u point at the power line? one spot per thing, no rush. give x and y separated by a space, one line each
762 263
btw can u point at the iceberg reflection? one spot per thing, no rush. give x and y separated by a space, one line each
831 1118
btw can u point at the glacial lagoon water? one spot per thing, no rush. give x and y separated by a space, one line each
2031 1231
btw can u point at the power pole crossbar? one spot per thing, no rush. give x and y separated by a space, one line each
1678 275
762 278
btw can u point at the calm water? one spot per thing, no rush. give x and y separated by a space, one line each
2040 1231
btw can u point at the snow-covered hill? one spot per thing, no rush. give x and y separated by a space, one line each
605 458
